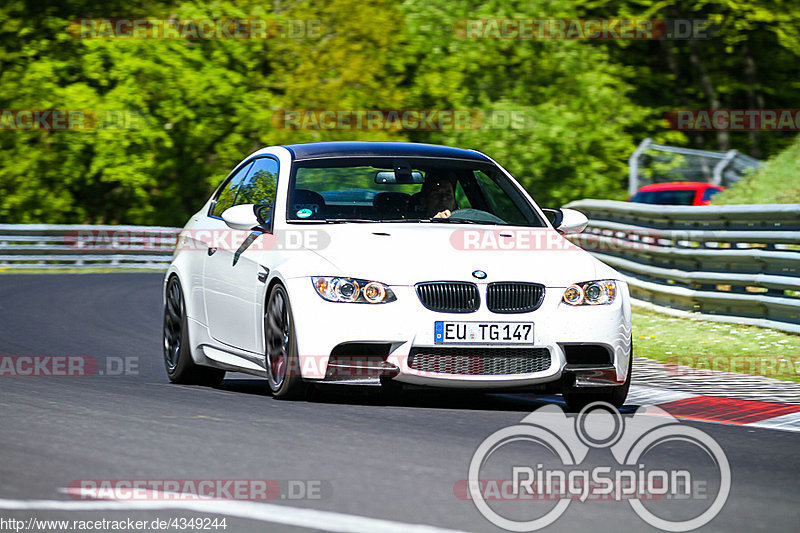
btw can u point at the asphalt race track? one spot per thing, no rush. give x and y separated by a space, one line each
373 465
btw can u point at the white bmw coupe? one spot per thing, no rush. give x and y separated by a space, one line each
391 264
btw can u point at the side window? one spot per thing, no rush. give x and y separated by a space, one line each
461 197
710 193
499 201
261 183
228 193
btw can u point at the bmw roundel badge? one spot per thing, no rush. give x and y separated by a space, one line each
480 274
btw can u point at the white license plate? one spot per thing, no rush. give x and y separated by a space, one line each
483 332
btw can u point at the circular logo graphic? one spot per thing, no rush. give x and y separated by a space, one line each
599 425
480 274
304 213
569 439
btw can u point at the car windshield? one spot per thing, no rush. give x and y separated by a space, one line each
666 197
392 190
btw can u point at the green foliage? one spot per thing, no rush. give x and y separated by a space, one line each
558 112
176 115
747 58
777 182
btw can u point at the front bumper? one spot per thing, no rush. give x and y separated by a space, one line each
321 326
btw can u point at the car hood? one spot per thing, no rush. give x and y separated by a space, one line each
405 254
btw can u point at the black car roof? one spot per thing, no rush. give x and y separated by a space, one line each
320 150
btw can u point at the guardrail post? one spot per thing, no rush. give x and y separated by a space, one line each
720 167
633 166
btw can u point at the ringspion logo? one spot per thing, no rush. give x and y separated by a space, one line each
518 471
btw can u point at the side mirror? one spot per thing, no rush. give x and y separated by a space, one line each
247 216
567 221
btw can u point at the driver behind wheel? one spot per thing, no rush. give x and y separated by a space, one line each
436 198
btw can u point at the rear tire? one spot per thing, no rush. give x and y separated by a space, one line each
616 396
280 347
178 361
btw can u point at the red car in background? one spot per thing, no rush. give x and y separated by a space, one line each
677 193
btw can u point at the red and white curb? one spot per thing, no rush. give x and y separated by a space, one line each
699 407
688 406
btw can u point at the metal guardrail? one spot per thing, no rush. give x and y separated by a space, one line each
738 263
67 246
728 263
658 163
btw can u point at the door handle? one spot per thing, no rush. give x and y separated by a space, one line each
212 250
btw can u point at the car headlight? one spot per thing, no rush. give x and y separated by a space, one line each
360 291
591 292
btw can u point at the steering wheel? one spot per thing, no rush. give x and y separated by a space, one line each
477 215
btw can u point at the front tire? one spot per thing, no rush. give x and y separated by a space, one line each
280 346
178 361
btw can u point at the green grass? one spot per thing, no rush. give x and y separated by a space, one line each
775 183
716 345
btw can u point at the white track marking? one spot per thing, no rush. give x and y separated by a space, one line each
263 512
790 422
641 395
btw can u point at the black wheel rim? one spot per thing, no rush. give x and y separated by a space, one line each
173 325
277 338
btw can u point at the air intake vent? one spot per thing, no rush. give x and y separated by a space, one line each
479 361
587 354
514 297
449 296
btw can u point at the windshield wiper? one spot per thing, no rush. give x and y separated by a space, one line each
439 220
392 220
457 221
344 220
